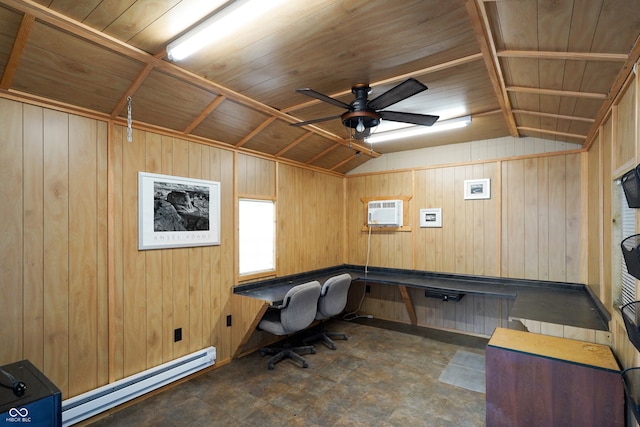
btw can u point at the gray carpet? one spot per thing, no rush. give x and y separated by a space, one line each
466 370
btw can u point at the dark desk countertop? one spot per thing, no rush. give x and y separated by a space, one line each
569 304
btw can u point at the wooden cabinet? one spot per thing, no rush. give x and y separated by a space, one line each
538 380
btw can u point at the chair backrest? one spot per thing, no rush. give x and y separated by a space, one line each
333 297
301 304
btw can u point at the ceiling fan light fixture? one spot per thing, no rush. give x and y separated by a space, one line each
238 13
409 131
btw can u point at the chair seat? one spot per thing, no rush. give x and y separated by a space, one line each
271 323
296 313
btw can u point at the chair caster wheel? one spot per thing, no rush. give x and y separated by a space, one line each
313 351
270 366
262 353
305 365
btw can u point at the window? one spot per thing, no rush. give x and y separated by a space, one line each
256 236
627 228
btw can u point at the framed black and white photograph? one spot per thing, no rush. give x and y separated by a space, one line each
177 212
431 217
477 188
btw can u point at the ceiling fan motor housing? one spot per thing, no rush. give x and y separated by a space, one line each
360 114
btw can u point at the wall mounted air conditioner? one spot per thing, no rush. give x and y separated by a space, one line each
386 213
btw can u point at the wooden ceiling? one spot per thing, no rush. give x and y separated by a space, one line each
539 68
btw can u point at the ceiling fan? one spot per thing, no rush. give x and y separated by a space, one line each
364 114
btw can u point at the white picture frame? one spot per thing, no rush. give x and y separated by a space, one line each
177 212
477 189
431 217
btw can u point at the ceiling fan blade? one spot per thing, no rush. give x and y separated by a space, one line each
413 118
322 97
402 91
320 119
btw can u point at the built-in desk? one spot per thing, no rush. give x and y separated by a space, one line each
556 303
538 380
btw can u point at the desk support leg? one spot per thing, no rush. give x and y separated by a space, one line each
249 331
409 304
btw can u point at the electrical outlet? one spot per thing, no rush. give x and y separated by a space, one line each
368 289
177 335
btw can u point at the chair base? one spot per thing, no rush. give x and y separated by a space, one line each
286 351
326 338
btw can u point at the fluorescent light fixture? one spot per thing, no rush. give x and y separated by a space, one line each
419 130
238 13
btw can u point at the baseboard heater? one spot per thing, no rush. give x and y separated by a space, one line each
93 402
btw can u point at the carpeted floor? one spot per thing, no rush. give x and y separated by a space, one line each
386 374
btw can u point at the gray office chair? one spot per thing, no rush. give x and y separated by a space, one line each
296 313
332 301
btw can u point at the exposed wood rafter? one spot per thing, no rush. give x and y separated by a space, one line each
16 51
158 62
554 116
573 56
556 92
480 23
552 132
204 113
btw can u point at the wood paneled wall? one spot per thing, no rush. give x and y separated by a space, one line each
469 241
81 301
53 166
384 248
541 218
619 151
154 292
473 314
310 216
530 228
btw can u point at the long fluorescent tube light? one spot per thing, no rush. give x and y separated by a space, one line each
419 130
238 13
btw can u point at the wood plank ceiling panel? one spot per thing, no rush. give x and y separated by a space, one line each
230 123
274 138
572 27
303 152
330 48
334 157
186 101
9 29
60 66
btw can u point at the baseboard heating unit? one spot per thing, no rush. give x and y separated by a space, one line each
93 402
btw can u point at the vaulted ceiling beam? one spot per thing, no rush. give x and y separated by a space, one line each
552 132
204 114
554 116
294 143
556 92
16 51
324 153
480 24
256 131
575 56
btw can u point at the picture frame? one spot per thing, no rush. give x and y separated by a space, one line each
431 218
177 212
477 189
